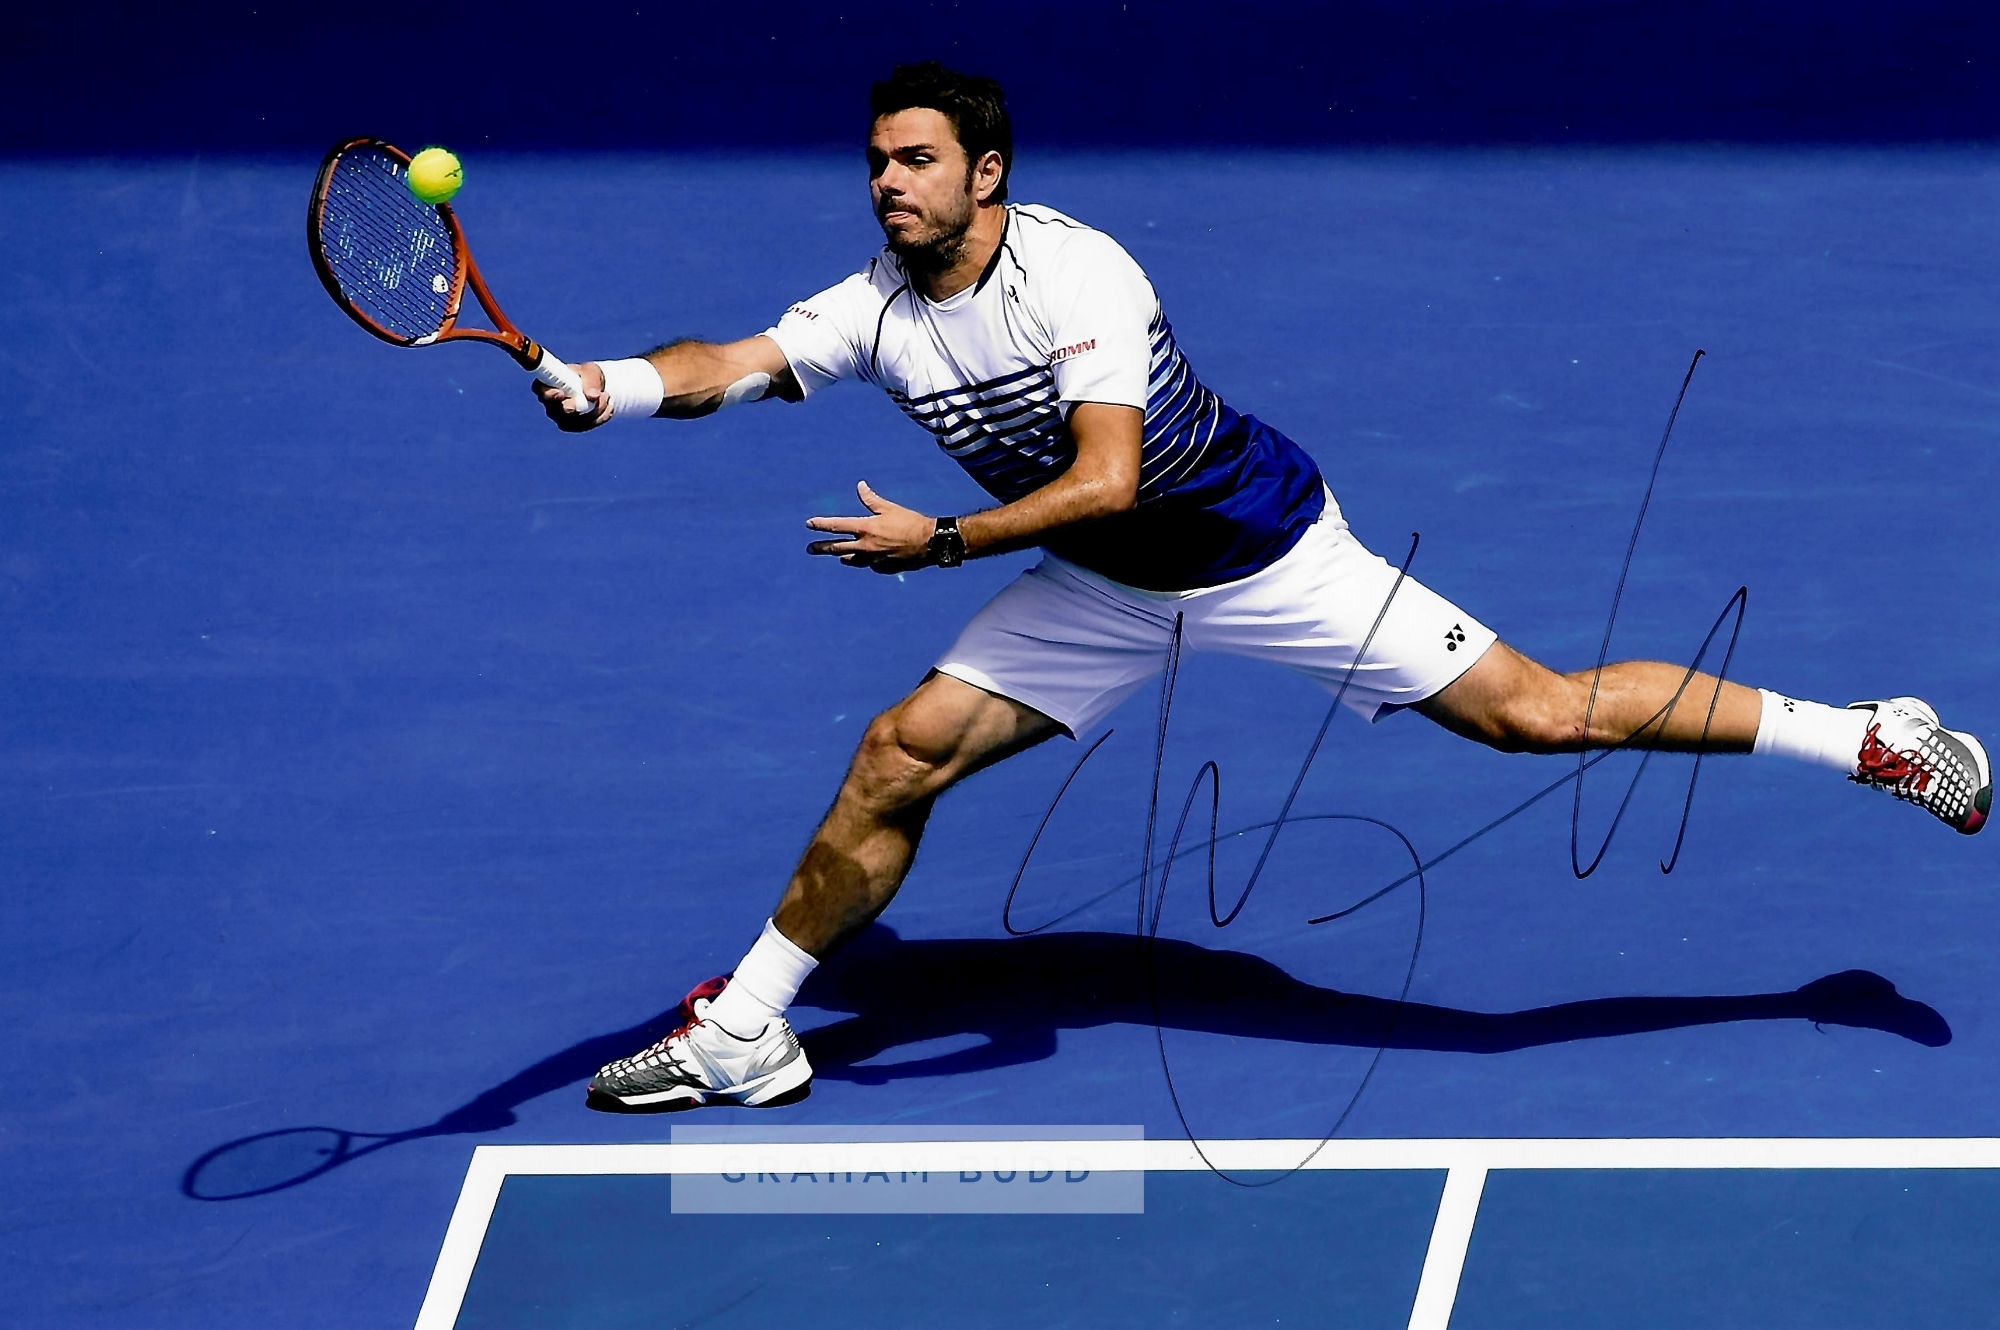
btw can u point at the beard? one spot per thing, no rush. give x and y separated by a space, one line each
939 241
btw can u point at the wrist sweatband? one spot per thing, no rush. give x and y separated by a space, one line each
632 387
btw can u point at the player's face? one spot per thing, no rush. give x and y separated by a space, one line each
920 181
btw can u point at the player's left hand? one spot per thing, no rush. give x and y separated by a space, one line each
892 539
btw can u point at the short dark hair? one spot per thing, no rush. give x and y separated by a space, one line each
975 105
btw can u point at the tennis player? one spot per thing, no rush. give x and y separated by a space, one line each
1035 352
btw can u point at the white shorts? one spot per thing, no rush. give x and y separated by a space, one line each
1073 644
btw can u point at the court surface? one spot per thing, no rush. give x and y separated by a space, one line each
379 761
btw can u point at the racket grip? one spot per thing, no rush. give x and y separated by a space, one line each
556 374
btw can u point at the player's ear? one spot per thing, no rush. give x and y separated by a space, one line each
986 174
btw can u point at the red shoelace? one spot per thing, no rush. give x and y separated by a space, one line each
1902 772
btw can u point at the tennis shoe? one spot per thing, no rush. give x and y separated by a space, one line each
702 1063
1907 753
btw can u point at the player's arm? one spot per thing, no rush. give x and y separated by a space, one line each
699 377
695 379
1102 481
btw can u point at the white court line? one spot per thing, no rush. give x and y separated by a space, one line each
463 1239
1437 1290
1466 1162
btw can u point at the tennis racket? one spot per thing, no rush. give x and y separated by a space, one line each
400 266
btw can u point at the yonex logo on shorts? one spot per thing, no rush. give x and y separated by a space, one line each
1454 637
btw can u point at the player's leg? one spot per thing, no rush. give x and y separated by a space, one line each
938 735
1345 617
1898 745
1050 653
734 1045
1510 702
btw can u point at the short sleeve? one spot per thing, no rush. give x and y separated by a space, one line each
1102 322
824 338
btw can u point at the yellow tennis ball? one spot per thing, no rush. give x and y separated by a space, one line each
435 175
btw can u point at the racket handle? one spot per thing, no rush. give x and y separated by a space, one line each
556 374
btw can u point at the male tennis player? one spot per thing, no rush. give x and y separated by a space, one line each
1034 349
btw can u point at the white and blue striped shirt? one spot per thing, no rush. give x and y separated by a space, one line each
1064 315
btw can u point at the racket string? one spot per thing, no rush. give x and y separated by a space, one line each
391 254
400 275
389 238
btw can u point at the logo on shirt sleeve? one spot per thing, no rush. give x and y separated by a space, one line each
803 311
1073 349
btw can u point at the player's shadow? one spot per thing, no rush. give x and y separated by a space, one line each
1016 995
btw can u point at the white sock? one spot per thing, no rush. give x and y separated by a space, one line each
1810 731
764 984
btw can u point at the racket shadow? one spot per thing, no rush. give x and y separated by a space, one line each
274 1161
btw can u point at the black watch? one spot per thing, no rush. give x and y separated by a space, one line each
947 547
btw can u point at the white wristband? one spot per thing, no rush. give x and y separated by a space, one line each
632 387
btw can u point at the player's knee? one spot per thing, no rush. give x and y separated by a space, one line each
889 750
894 767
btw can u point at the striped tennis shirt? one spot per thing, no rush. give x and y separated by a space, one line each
1064 315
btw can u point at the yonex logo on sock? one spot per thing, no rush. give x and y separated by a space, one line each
1454 637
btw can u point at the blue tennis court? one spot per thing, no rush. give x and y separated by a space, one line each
380 761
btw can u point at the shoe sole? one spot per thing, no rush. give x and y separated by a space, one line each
787 1085
1982 799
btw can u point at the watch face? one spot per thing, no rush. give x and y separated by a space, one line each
947 544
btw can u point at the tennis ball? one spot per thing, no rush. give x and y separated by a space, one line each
435 175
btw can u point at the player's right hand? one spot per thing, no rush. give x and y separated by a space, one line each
558 408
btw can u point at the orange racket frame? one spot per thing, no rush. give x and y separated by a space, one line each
528 353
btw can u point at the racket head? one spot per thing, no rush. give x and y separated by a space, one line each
396 264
